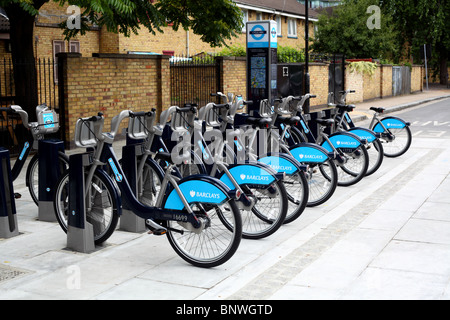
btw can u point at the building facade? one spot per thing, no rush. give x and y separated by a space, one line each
49 39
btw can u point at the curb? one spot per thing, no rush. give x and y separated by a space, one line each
402 107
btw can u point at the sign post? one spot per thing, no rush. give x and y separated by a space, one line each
261 62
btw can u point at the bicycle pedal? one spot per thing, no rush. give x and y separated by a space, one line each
17 196
157 232
154 228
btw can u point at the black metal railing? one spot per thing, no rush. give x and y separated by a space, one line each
193 79
12 132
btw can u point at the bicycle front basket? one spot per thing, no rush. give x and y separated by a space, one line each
84 134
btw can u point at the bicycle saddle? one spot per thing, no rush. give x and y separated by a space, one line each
259 122
346 107
378 110
325 122
290 120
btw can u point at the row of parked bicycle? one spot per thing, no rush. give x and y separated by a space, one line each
207 177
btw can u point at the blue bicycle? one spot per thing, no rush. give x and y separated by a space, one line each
263 201
198 214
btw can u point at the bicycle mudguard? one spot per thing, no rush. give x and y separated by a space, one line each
198 189
390 123
342 140
364 133
307 152
254 174
282 162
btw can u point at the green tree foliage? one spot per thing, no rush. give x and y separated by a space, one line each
346 31
423 22
214 20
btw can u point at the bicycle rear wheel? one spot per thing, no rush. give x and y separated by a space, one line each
297 193
400 144
215 242
355 167
268 212
322 181
376 154
101 206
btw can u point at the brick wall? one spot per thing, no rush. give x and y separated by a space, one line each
233 75
416 78
318 74
386 80
371 85
110 84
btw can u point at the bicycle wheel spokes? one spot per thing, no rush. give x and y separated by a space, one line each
214 242
268 212
400 144
355 167
322 181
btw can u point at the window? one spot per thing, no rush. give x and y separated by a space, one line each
244 19
292 27
259 16
74 46
58 46
278 20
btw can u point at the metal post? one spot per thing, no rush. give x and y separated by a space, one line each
8 217
426 66
80 233
49 172
306 108
129 221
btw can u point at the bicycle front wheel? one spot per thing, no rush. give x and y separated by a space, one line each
32 175
101 206
215 242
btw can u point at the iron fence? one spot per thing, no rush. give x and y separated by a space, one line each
193 79
12 132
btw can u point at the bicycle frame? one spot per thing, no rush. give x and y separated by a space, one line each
37 133
171 204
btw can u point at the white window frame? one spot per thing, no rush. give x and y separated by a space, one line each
74 46
279 22
292 27
244 19
62 45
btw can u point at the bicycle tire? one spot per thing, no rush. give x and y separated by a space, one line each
102 229
322 182
297 193
213 245
355 168
375 151
397 152
32 174
265 218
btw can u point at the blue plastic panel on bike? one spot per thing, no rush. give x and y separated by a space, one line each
364 134
48 120
389 123
25 147
279 164
341 141
306 154
195 191
248 174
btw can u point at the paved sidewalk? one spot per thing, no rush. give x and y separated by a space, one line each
393 104
385 238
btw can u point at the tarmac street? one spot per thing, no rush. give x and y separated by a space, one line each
387 237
